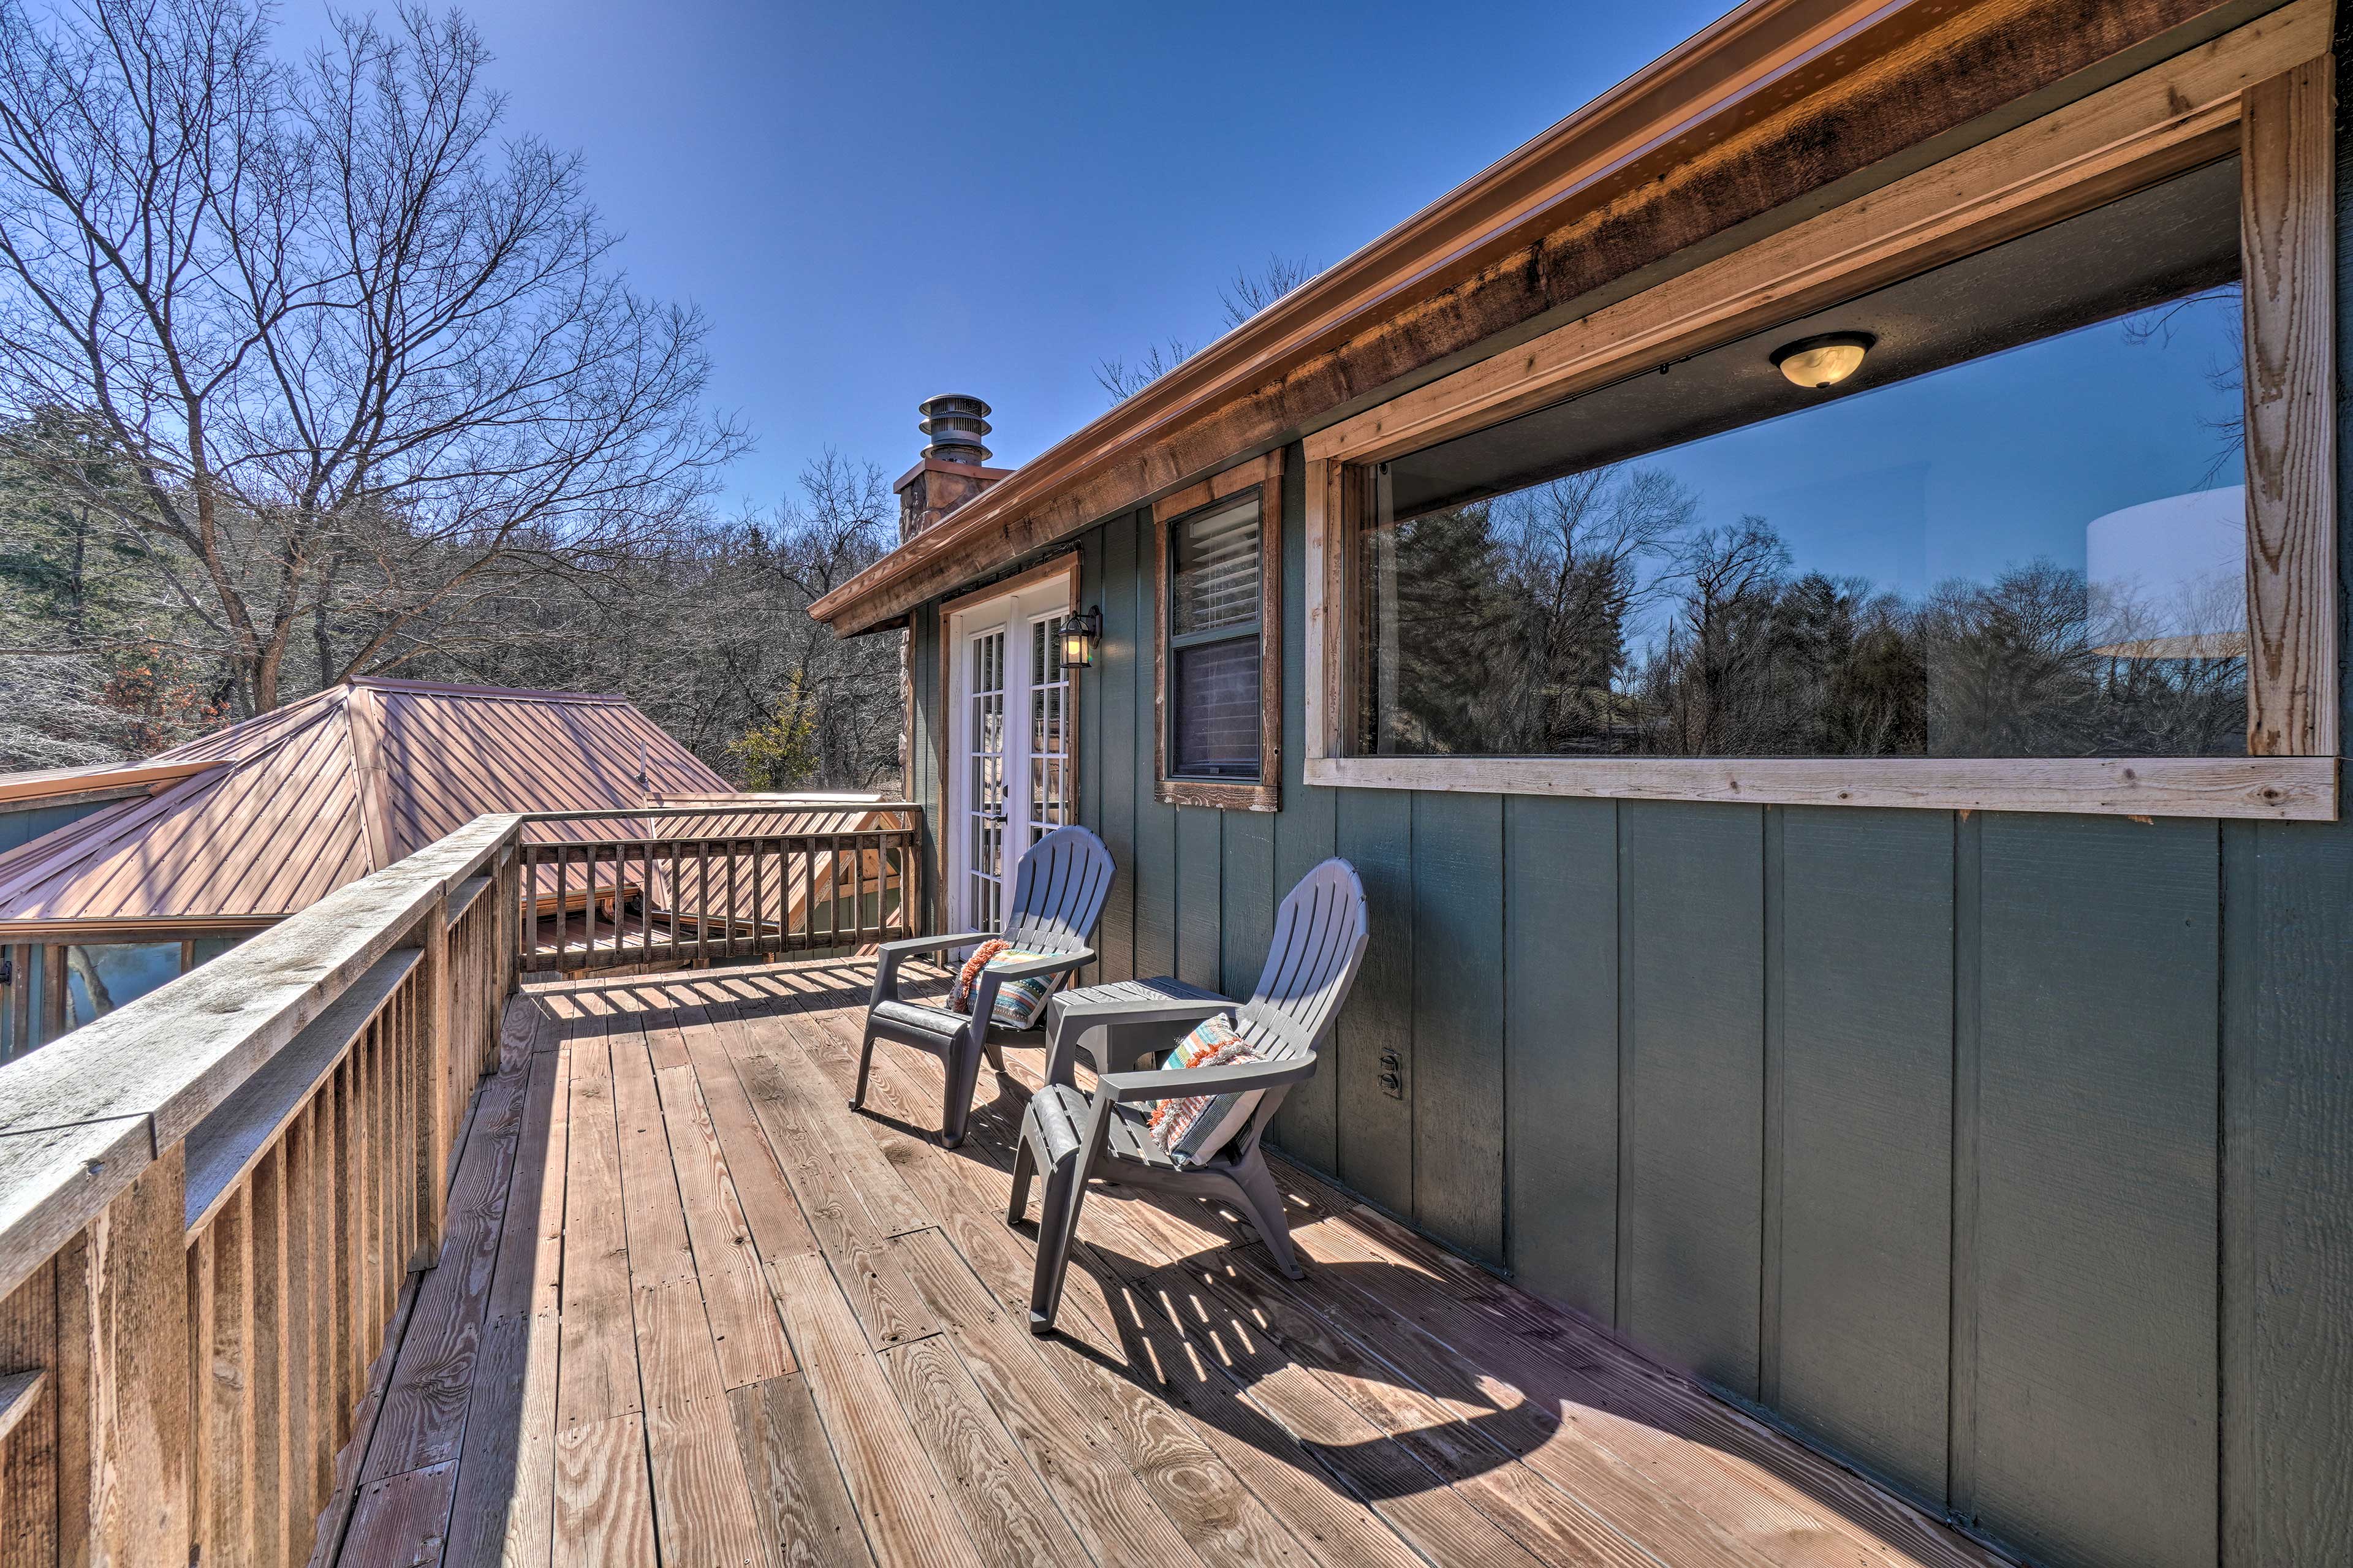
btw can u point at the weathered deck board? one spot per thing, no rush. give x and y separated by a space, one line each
694 1311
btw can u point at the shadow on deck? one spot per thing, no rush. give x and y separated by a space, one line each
693 1310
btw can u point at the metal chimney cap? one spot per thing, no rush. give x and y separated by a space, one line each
956 422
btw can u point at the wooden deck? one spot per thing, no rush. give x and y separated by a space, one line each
692 1310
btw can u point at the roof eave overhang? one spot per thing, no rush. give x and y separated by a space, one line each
1759 59
120 784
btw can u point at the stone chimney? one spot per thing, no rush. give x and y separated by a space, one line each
955 466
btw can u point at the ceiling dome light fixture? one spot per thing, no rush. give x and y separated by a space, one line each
1825 361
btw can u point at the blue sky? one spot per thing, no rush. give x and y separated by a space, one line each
876 202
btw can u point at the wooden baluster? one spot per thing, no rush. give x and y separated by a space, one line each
702 905
302 1387
126 1366
273 1521
342 1274
359 1254
439 1099
734 910
562 895
809 893
759 899
588 909
30 1460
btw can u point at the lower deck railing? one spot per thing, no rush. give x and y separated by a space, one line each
694 885
213 1199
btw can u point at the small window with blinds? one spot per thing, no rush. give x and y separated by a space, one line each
1217 684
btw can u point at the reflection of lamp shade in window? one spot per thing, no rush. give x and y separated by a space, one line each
2168 578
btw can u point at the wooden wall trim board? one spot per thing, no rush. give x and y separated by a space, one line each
2277 789
2288 230
2265 86
1741 127
1065 565
1265 475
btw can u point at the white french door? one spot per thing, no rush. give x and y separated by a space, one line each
1010 779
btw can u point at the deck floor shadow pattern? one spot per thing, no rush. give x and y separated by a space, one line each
692 1310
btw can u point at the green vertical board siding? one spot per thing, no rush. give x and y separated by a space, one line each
923 784
1560 1029
1691 1084
1375 1131
1306 832
1200 866
2094 1314
2287 1282
1860 1186
1457 1020
1247 899
1113 718
1155 866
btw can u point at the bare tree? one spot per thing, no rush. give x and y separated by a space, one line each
1123 381
1251 292
359 354
1248 294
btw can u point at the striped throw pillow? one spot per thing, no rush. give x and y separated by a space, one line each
1191 1129
1018 1002
1195 1048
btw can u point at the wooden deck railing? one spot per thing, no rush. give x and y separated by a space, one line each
689 885
210 1202
213 1198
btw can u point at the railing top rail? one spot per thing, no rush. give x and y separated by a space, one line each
769 805
81 1117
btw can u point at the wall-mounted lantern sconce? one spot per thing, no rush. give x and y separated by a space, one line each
1081 631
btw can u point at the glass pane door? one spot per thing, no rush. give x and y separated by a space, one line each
1050 731
985 775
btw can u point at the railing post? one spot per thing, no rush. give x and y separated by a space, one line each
125 1426
436 1146
506 886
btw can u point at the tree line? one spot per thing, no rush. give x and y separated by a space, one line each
314 370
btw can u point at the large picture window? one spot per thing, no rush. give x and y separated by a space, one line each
1219 688
2017 528
2009 485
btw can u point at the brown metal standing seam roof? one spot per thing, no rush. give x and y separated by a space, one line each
323 790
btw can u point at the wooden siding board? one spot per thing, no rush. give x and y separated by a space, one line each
1112 715
1201 865
1560 1030
1691 1006
1457 1020
1863 996
2095 1314
1156 823
1376 1133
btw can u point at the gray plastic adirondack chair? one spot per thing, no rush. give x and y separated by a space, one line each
1058 896
1071 1136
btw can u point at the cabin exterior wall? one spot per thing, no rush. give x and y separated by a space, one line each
2008 1155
